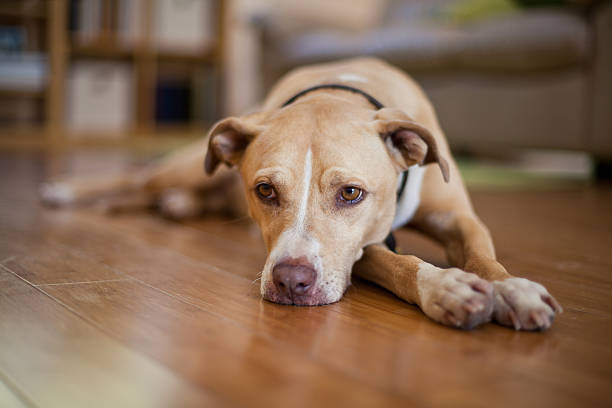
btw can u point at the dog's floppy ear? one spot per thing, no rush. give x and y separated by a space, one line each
228 139
408 142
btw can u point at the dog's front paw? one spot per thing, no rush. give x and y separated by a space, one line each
524 305
455 298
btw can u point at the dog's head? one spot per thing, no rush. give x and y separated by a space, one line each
320 179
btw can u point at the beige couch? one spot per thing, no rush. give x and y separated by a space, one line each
538 77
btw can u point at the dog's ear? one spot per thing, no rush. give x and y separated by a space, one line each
228 139
408 142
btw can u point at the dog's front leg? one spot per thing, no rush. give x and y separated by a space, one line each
519 302
449 296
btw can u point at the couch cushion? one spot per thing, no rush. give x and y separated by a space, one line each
527 40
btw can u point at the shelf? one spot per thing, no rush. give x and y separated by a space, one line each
154 142
105 51
22 137
64 48
205 57
27 93
12 10
100 51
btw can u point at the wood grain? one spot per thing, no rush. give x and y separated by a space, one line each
58 360
120 306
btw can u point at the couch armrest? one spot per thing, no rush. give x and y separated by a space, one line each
600 141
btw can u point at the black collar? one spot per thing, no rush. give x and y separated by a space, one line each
390 240
369 97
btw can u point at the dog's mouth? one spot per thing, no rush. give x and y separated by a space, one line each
315 298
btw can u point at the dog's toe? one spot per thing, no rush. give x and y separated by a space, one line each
524 305
459 299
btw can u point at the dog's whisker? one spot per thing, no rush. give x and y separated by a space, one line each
258 278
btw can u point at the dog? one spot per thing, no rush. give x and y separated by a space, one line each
336 157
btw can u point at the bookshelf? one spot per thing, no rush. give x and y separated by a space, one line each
144 71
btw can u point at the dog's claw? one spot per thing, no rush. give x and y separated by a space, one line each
514 319
552 302
483 287
470 308
451 320
473 306
537 319
542 319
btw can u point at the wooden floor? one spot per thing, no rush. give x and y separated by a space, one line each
137 311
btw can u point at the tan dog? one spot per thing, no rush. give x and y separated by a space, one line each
320 174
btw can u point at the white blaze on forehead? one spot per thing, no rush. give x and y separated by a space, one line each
303 205
350 77
295 242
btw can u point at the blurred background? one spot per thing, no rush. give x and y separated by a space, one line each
523 88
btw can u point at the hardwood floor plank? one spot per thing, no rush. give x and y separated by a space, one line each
369 334
242 366
9 398
41 260
186 299
62 361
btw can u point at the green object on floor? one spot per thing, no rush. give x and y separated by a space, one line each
478 175
469 11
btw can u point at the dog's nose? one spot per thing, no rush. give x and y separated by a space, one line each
294 277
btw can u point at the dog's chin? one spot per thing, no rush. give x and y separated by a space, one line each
317 298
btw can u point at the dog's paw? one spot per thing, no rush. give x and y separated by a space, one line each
524 305
178 204
56 193
455 298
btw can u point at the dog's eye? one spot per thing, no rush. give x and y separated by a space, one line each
351 194
265 191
